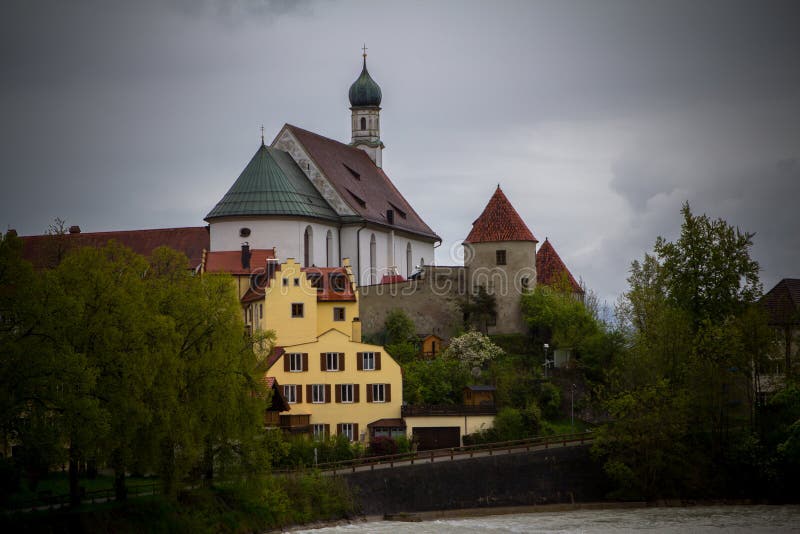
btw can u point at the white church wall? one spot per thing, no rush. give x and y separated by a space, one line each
285 235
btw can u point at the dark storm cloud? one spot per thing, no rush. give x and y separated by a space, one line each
598 118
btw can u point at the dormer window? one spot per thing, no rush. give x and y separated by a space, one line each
338 282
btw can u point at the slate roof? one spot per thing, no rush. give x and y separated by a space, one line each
230 261
43 251
272 184
782 302
362 184
550 268
499 222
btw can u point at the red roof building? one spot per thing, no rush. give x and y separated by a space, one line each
45 251
499 222
550 269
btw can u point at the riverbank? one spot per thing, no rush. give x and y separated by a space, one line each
595 517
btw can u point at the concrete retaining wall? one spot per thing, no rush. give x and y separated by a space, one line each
559 475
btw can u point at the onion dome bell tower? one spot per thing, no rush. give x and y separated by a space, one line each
365 102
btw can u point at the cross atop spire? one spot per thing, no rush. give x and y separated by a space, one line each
364 48
262 135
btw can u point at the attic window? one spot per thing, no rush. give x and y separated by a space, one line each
355 174
315 279
398 211
358 199
244 232
338 282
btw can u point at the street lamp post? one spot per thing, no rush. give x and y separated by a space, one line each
572 406
546 346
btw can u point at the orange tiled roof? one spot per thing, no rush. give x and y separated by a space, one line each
230 261
43 250
499 222
328 293
550 268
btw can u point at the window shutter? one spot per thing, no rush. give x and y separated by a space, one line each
341 361
327 430
298 390
327 392
377 361
387 388
305 361
369 392
323 364
360 361
339 429
356 387
355 432
338 393
309 393
286 363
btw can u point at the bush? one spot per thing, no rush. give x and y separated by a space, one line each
383 446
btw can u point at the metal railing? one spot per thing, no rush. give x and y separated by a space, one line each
422 410
45 500
431 456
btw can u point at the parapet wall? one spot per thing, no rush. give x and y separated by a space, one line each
558 475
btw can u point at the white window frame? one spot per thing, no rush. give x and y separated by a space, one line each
318 393
330 358
347 393
295 362
368 357
318 431
290 393
344 313
347 430
376 389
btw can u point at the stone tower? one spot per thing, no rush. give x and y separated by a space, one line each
500 256
365 102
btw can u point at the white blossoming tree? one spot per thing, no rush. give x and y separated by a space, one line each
474 350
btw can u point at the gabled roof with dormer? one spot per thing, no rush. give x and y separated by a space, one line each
272 184
360 183
499 222
550 268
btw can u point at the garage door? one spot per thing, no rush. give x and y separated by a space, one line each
437 437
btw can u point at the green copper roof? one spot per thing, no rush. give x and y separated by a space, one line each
272 184
364 91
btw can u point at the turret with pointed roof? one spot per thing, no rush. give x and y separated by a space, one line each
499 222
500 257
365 101
550 269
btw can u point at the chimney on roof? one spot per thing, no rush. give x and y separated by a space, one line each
74 229
271 268
245 255
356 336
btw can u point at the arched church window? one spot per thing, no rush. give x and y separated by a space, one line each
308 247
363 123
372 256
409 261
329 249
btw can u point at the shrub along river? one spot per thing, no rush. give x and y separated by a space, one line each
744 519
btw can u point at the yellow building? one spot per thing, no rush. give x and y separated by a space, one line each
332 382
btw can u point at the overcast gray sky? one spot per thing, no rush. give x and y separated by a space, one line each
597 117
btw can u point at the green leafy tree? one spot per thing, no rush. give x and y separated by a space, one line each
479 310
401 339
436 381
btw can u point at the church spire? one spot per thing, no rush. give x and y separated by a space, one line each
365 100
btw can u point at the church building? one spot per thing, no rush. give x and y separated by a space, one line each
319 200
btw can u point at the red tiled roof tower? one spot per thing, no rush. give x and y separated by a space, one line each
499 222
550 268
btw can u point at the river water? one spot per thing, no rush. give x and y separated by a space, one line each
684 520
